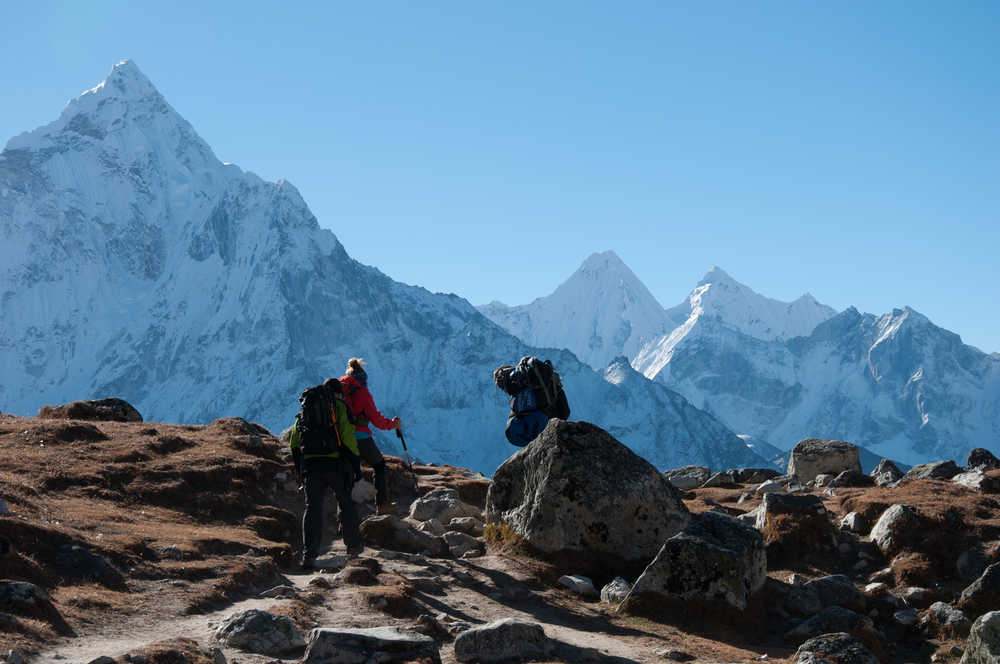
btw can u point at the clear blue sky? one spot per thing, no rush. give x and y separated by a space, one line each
851 150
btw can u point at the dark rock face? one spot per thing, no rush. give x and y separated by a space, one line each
885 473
104 410
983 594
838 619
716 560
837 590
982 459
836 648
939 470
78 563
814 456
577 492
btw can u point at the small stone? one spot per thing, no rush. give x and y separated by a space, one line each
906 617
673 655
616 591
579 584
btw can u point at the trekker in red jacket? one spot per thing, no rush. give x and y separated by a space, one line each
363 411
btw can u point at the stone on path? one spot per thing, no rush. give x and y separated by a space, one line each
503 640
384 645
258 631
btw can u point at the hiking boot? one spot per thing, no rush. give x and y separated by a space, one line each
386 508
355 550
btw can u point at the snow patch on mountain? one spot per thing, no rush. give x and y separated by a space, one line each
601 312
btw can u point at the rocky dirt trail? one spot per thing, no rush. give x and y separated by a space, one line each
455 594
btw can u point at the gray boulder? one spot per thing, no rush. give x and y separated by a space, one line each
615 591
937 470
461 543
886 473
836 648
716 561
107 410
724 479
855 523
579 584
982 459
898 528
469 525
442 504
258 631
578 494
983 646
852 478
978 480
794 525
376 645
813 456
947 619
432 527
754 475
687 477
387 531
983 594
503 640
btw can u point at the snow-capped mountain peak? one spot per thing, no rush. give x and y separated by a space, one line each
602 311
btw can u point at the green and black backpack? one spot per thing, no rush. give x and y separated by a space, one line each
318 433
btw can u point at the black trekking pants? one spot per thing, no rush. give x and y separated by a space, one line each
318 477
370 453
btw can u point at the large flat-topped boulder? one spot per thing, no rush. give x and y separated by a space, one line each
575 491
815 456
108 410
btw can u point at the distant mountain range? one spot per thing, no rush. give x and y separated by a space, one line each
777 372
135 264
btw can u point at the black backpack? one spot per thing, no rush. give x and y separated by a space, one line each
533 385
317 433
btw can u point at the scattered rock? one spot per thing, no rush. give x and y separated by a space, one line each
615 591
983 646
938 470
813 456
852 478
432 527
837 648
886 473
579 584
899 527
793 525
946 620
837 590
917 597
443 504
258 631
26 600
469 525
822 480
673 655
770 486
837 619
724 479
983 594
978 480
905 617
716 562
503 640
579 495
388 531
461 543
106 410
280 592
385 645
855 523
754 475
688 477
76 562
982 459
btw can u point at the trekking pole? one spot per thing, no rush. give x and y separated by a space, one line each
409 463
